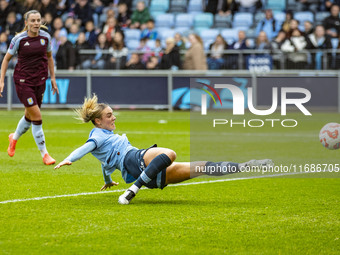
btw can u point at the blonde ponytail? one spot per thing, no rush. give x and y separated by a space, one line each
90 110
26 16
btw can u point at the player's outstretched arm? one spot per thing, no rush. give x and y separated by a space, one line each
77 154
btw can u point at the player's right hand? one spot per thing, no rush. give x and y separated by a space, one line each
63 163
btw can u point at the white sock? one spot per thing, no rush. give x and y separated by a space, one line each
22 128
39 138
134 188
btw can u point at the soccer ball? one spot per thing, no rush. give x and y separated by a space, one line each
330 136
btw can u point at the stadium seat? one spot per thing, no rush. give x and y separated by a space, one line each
165 20
243 19
276 5
165 33
159 6
183 30
280 17
303 16
259 16
320 16
203 20
335 43
178 6
155 14
230 35
195 6
209 34
291 5
151 44
223 21
132 34
184 20
207 44
250 33
132 44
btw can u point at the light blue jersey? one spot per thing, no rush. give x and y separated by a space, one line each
110 150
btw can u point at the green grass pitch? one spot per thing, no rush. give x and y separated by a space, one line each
252 216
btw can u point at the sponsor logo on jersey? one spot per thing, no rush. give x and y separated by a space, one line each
30 100
22 80
42 41
26 44
11 46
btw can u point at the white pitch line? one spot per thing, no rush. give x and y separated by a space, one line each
122 190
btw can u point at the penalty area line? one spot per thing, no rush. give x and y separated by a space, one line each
122 190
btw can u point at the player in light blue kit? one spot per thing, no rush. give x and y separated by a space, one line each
153 167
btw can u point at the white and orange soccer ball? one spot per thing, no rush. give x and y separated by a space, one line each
330 136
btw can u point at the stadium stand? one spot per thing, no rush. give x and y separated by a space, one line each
159 5
195 6
184 20
178 6
243 20
165 20
187 16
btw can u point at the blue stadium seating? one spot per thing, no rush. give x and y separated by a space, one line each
320 16
203 20
155 14
165 20
230 34
335 42
242 19
303 16
132 34
159 6
223 21
132 44
151 44
209 34
195 6
178 6
259 16
276 5
164 33
207 44
182 30
280 17
184 20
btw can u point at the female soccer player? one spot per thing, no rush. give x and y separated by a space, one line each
153 167
30 74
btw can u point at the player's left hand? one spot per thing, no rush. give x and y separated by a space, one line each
109 185
54 87
63 163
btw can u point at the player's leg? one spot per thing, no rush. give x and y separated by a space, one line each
38 133
25 94
23 125
36 118
156 160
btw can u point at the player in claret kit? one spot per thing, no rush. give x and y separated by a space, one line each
33 46
153 167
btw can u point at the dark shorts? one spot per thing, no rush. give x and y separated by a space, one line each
30 95
135 165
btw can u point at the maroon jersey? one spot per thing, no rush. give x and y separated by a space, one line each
32 66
